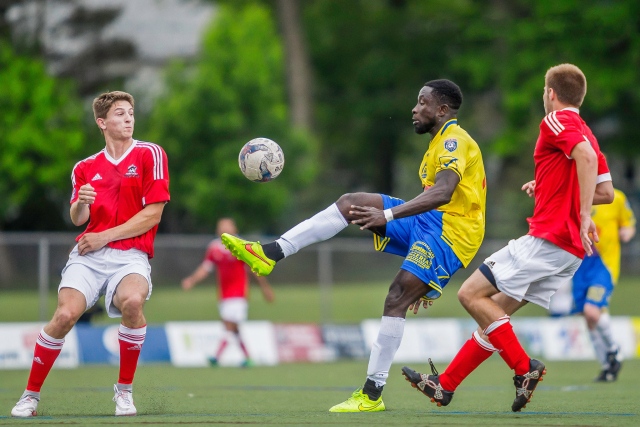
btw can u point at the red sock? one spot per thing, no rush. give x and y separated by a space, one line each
221 347
131 341
468 358
504 339
45 354
243 348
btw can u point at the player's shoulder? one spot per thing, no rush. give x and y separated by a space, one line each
560 120
88 160
149 148
619 196
457 137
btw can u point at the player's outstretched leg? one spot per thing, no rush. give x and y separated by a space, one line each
27 406
429 385
249 252
526 384
359 402
124 401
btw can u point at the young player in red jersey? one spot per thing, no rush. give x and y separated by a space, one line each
568 165
233 288
121 191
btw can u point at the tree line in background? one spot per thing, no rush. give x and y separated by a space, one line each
334 83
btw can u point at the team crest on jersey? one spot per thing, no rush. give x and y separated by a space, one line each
132 172
451 144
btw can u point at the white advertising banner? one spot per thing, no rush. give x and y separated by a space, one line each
193 344
17 341
438 339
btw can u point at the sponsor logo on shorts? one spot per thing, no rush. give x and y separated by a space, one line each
490 264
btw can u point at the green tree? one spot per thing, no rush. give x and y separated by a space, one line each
235 92
40 140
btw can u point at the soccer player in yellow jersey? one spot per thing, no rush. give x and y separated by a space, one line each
594 281
437 232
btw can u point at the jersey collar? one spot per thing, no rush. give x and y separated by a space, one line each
116 162
447 124
574 109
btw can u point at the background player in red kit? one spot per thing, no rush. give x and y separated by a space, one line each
568 165
121 191
233 287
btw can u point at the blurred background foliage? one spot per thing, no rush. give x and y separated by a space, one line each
334 83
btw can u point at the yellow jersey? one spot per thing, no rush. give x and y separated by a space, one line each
608 219
463 219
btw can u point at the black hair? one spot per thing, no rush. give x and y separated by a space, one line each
447 92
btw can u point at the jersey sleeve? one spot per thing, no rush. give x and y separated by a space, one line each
451 154
209 261
562 132
77 180
603 169
155 180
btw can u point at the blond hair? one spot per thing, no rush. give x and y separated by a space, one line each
102 104
568 82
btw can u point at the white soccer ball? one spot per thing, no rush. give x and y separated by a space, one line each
261 160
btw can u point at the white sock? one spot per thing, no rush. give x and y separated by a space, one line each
322 226
599 347
604 327
384 349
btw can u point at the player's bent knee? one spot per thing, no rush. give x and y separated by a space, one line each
64 319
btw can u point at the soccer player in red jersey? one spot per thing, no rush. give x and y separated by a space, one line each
121 191
233 288
568 166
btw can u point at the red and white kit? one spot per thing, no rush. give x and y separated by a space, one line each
534 266
233 281
123 187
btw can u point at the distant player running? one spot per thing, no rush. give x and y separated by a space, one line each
437 232
593 283
121 191
233 288
568 165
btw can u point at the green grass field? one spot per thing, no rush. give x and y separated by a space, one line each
348 303
300 394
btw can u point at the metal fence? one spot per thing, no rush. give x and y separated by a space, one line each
33 261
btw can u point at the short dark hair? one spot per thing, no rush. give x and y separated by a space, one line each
447 92
102 104
569 83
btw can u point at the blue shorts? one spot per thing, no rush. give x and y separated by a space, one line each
591 284
417 238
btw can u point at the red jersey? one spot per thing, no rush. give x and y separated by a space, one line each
233 281
124 187
556 215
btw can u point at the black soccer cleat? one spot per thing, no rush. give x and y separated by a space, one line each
610 373
429 385
526 384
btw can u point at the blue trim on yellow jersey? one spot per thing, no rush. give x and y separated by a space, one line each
449 123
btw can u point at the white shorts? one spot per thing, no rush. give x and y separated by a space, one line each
99 273
532 269
233 310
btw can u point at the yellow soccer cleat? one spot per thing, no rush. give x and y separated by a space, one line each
249 252
359 402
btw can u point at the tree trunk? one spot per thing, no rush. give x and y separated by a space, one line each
299 79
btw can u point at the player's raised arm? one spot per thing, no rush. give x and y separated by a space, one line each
79 210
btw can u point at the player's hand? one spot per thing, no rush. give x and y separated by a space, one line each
91 242
86 195
187 283
367 217
416 305
588 234
530 188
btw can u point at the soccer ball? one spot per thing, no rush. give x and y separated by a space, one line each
261 160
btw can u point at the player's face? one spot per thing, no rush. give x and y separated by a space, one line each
424 113
119 121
